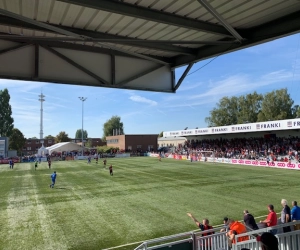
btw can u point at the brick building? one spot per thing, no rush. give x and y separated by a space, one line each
32 145
133 143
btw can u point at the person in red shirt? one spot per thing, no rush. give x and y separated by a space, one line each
271 219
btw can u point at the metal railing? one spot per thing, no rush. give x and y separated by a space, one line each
213 239
286 240
166 241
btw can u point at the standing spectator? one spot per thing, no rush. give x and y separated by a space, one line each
285 215
295 214
225 222
203 226
271 219
235 228
249 220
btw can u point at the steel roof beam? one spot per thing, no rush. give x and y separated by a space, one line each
72 34
24 78
212 11
187 70
87 34
151 15
140 75
80 47
127 41
19 46
275 29
37 23
76 65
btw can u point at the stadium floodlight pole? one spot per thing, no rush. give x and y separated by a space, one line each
82 99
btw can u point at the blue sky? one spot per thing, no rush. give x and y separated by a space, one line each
262 68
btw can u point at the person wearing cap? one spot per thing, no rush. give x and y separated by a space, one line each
271 219
268 241
235 228
295 214
249 220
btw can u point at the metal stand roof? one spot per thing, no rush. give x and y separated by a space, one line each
131 44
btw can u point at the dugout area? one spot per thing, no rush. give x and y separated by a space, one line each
131 44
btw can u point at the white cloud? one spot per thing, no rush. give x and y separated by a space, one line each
232 86
189 86
137 98
22 86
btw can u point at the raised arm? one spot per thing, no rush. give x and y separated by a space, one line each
194 219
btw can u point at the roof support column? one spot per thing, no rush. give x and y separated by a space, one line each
36 61
113 69
188 68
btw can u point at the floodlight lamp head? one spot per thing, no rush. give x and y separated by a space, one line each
82 98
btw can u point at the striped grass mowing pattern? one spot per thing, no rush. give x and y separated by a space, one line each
89 209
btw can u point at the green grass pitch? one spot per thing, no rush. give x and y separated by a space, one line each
89 209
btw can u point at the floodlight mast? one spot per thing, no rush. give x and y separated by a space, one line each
82 99
41 99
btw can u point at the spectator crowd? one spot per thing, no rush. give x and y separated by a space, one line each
254 148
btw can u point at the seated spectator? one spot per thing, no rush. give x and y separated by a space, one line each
250 221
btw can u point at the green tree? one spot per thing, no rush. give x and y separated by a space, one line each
17 140
161 134
89 143
62 137
250 106
226 112
78 134
49 137
6 120
113 124
296 111
277 105
34 137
